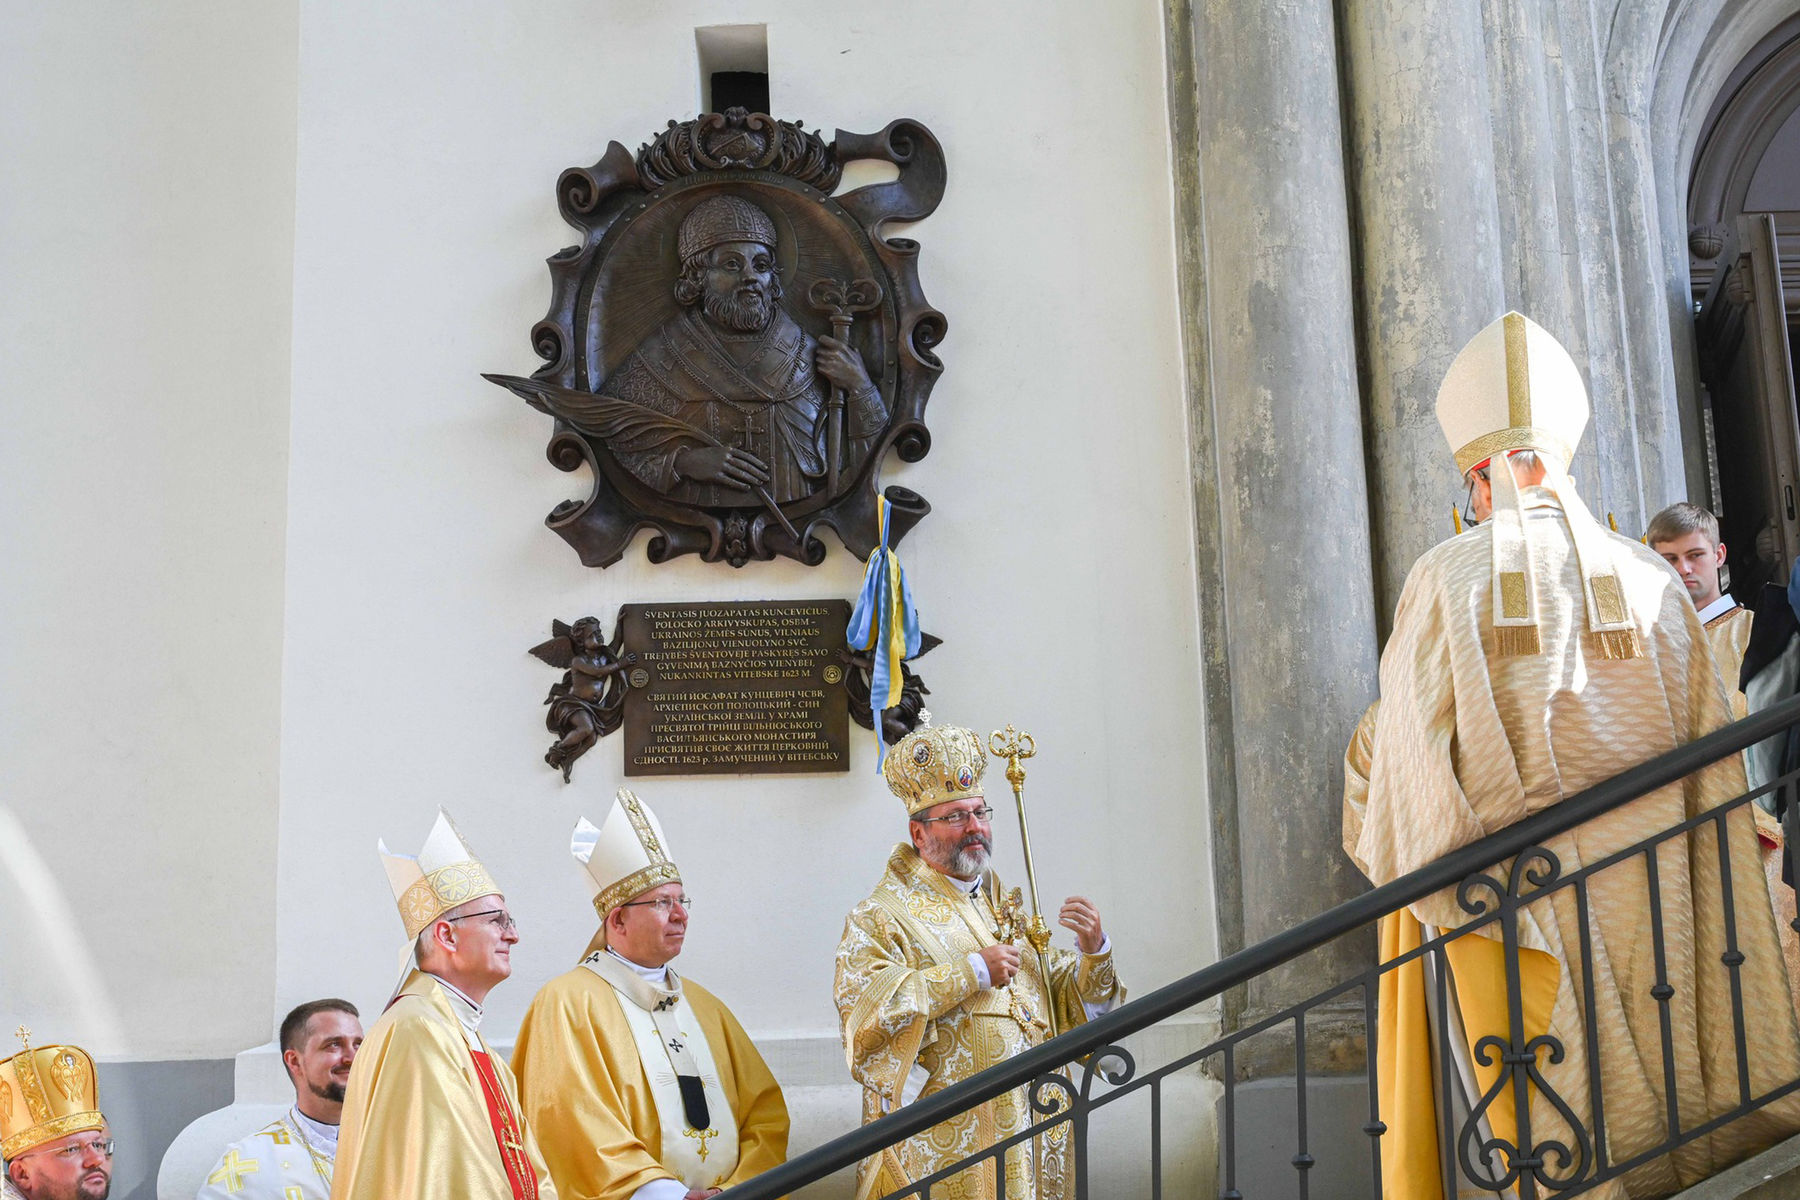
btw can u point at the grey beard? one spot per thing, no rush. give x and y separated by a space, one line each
333 1092
741 316
970 859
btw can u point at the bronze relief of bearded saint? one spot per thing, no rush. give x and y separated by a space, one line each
732 362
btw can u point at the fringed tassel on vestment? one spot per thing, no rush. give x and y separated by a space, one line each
1516 641
1618 643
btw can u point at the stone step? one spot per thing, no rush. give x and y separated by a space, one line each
1772 1175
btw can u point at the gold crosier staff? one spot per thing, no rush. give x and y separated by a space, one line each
1015 746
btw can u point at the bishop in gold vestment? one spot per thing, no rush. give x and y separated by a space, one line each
604 1048
431 1111
919 1011
1532 657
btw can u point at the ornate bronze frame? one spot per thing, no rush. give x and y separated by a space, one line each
596 292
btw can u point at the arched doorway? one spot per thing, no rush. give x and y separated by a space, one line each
1744 238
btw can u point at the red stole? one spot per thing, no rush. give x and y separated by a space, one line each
519 1171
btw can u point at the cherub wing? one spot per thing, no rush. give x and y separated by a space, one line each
559 652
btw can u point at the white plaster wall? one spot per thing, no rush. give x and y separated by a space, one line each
1057 566
146 243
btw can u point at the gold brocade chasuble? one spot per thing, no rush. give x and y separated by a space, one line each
588 1096
1467 742
416 1125
1729 634
915 1022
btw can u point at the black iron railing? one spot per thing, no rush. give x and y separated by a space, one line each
1069 1078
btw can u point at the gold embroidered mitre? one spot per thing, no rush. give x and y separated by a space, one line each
1513 388
46 1093
625 857
935 764
445 873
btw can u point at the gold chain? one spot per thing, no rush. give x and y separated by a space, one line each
321 1164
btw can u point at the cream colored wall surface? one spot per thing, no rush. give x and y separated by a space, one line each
146 247
1057 565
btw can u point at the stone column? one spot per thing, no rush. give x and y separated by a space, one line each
1280 493
1429 234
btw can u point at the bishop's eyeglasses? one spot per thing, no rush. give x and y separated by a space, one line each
503 922
76 1151
960 817
663 904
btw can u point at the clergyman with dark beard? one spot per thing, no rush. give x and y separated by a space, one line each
734 364
929 993
291 1158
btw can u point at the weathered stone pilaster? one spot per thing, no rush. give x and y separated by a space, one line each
1280 493
1430 251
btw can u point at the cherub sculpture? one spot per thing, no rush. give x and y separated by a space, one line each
589 703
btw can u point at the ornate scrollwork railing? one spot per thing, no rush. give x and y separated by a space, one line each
1070 1079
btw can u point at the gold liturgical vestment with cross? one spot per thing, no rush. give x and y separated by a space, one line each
916 1021
1467 742
588 1092
416 1122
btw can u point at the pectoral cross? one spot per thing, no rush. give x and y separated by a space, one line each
232 1170
701 1136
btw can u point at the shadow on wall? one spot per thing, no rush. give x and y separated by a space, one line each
66 1000
68 997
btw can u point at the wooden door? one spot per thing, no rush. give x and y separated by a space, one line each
1748 370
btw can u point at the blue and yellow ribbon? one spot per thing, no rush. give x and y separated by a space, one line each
885 625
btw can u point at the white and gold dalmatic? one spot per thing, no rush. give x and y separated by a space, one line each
431 1110
629 1078
1532 657
915 1018
284 1160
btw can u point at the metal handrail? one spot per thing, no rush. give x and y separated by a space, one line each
1229 972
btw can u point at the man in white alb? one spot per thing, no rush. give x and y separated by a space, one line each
291 1158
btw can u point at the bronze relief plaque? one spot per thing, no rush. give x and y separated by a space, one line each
736 688
735 347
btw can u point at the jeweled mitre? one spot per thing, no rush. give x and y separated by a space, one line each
46 1093
935 764
444 874
626 856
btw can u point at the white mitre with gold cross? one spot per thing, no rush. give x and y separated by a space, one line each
444 874
1513 387
626 856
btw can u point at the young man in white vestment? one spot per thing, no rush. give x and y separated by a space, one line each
54 1141
291 1157
929 990
640 1084
1534 656
1687 537
431 1111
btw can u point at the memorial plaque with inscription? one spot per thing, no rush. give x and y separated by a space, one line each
736 688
